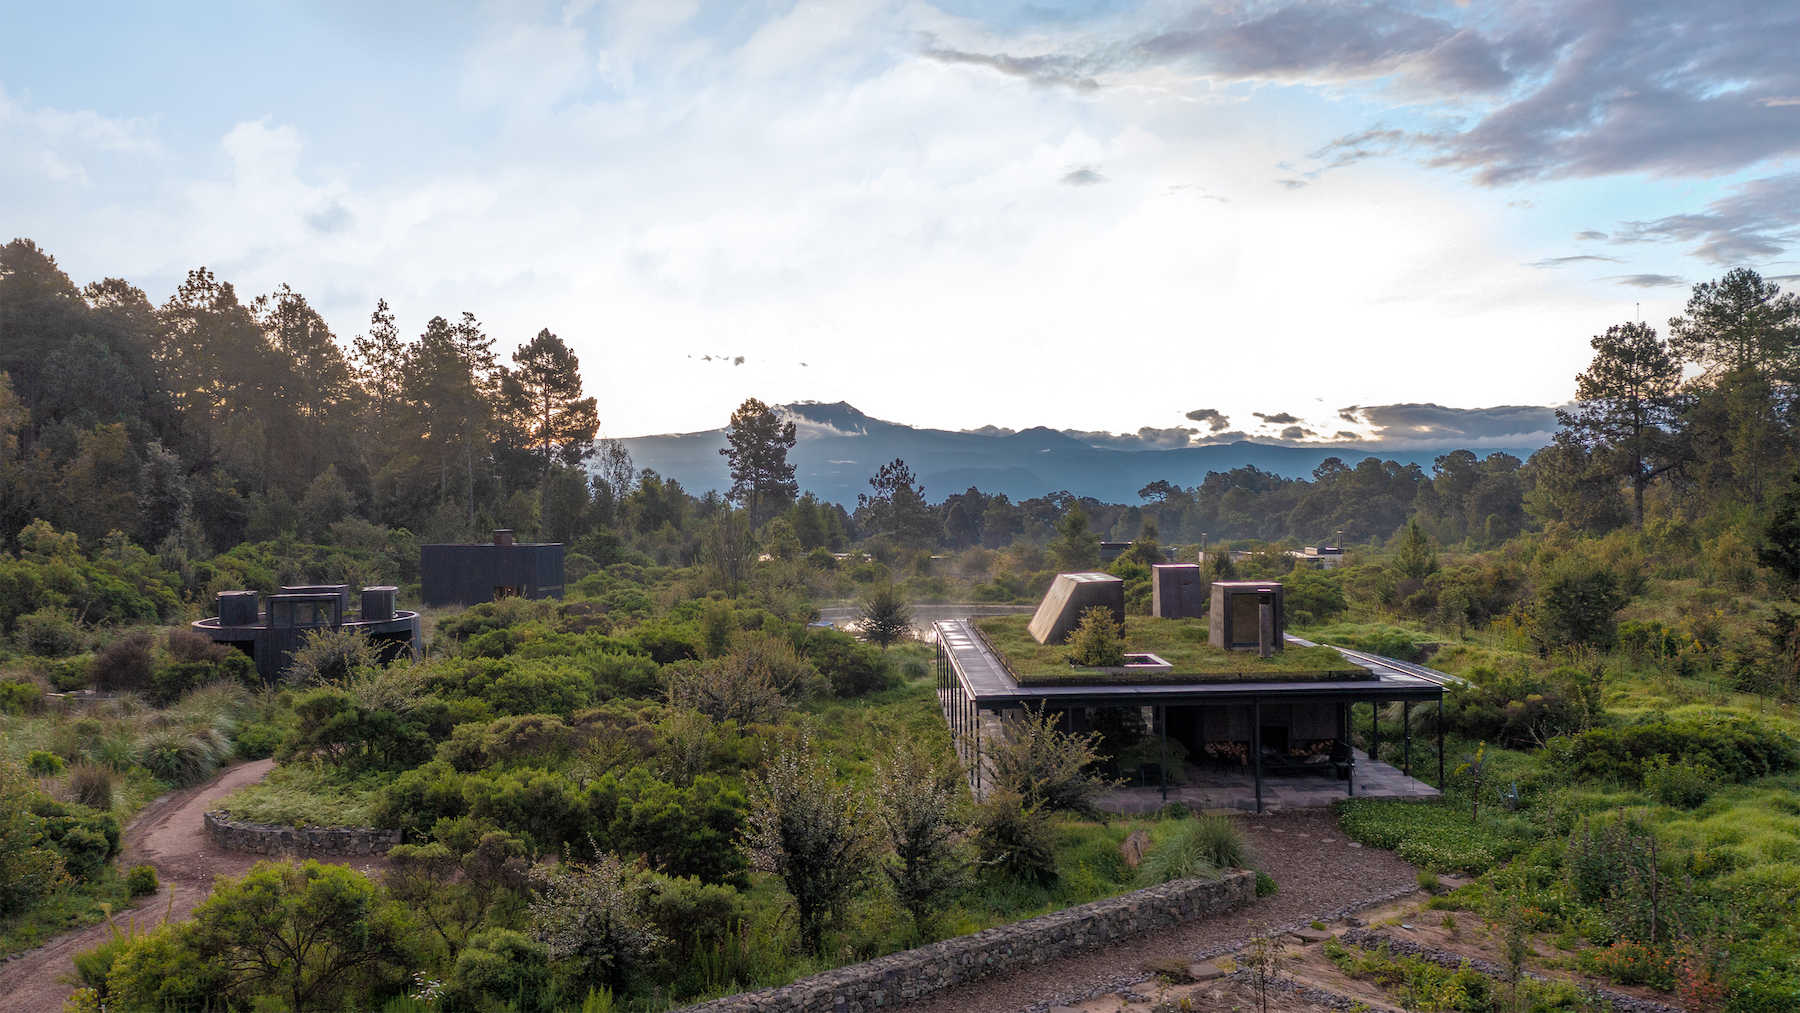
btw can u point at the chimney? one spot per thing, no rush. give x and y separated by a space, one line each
503 536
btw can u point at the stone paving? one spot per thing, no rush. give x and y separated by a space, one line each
1213 789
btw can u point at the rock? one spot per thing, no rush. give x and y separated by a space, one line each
1312 935
1134 848
1205 972
1062 1009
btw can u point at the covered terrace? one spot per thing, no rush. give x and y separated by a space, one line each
1249 745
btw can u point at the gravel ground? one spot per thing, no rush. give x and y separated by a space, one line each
169 835
1321 876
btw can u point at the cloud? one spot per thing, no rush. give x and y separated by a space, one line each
1082 175
1412 426
1043 71
1345 434
1278 419
1590 234
1527 91
1234 436
991 431
1758 219
1296 433
1146 438
1561 261
1215 419
333 217
1292 184
1647 280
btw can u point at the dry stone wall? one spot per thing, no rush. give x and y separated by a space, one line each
304 842
900 977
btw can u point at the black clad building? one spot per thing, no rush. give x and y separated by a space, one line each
471 574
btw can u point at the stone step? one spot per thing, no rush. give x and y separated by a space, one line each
1312 935
1205 972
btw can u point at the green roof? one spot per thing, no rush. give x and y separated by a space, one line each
1180 642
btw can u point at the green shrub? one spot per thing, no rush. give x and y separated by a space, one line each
1099 642
20 697
48 633
496 968
69 674
86 843
852 667
1013 841
142 881
42 764
692 915
1738 749
1266 885
1680 785
255 741
1428 881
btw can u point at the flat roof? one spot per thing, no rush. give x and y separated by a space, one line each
985 678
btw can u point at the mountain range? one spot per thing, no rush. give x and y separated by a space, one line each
840 448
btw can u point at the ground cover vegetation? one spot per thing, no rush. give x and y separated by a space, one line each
621 799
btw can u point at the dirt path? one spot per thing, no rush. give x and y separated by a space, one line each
169 836
1318 871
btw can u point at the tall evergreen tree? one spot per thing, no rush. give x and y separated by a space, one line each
545 391
1625 404
762 479
381 365
898 508
1745 333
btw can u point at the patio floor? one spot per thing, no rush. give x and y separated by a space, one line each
1210 789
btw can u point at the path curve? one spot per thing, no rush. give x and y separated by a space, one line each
170 836
1304 849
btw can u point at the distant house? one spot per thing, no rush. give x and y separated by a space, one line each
471 574
270 637
1319 557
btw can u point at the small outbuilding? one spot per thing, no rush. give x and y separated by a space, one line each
471 574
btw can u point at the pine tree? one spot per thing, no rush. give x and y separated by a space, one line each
762 479
381 359
1624 403
545 389
1415 557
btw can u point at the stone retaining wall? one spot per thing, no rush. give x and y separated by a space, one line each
898 977
306 842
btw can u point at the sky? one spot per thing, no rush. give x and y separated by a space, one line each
1161 224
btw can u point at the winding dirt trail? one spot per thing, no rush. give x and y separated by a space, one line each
169 836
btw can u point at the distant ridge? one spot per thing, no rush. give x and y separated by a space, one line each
840 448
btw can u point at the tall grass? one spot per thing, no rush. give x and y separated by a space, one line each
183 756
1199 847
302 794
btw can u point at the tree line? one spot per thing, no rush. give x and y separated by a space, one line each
213 420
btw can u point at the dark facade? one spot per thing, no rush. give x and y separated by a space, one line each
270 637
471 574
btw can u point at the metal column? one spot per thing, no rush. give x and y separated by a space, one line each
1164 709
1406 723
1256 748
